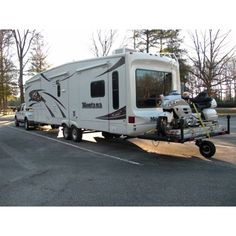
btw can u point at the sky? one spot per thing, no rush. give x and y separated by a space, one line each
66 45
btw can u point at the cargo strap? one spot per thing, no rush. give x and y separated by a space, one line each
199 117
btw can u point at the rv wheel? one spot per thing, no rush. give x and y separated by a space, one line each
207 149
76 134
66 132
107 135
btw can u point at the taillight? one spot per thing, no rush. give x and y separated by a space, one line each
131 119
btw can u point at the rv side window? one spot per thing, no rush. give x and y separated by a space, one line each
115 89
150 85
97 89
58 88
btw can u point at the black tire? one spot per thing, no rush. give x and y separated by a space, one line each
107 135
26 124
76 134
116 135
207 149
54 126
16 122
66 132
161 126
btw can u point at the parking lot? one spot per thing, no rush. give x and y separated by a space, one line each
38 168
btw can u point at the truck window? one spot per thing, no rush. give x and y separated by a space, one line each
150 85
115 90
97 89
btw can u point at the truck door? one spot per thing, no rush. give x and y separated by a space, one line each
21 113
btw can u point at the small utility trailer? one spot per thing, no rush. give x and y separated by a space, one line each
196 134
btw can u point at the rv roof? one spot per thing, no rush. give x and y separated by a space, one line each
168 58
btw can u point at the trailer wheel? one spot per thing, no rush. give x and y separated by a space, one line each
76 134
207 149
66 132
26 123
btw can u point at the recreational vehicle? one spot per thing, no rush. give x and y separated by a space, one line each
118 94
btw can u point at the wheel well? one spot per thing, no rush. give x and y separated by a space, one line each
64 124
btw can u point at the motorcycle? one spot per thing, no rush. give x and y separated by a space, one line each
183 111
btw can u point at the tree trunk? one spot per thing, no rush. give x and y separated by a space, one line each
20 81
147 42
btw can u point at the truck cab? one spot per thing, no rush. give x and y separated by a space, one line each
24 115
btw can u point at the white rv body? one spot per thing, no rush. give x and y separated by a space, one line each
101 94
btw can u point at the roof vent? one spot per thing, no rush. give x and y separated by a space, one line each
122 50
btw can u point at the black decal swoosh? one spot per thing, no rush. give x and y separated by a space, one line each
115 66
44 77
117 115
49 110
68 76
54 98
27 87
63 114
32 104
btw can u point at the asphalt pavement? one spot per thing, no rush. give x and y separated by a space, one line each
40 168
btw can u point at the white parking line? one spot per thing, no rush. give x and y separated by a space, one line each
224 146
81 148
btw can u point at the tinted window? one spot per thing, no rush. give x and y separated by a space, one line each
150 85
58 88
97 89
115 90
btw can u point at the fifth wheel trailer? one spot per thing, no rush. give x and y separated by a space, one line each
118 94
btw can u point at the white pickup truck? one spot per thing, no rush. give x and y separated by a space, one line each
24 115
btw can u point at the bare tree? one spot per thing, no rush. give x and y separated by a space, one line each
210 57
23 42
103 42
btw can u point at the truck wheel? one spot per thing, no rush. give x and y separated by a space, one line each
26 123
207 149
76 134
66 132
16 122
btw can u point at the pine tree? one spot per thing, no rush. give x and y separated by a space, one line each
7 68
38 59
163 41
173 45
